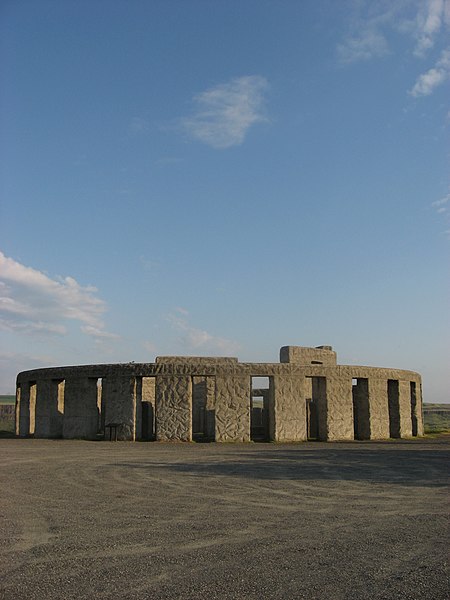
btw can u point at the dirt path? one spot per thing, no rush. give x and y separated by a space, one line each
317 521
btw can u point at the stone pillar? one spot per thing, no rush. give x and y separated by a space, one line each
404 405
32 405
24 409
339 408
378 409
17 412
174 408
289 408
119 400
232 416
80 408
419 408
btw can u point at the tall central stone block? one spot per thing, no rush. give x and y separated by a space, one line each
378 409
232 417
119 404
289 408
339 408
404 405
174 408
80 408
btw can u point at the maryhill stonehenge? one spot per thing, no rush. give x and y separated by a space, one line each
307 395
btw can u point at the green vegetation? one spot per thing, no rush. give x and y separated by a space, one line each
436 418
7 399
6 427
6 423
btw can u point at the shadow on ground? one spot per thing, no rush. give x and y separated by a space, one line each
393 466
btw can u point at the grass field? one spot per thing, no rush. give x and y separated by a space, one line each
436 418
7 399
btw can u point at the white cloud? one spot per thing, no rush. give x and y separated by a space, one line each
225 113
427 82
439 204
369 44
98 333
31 302
30 327
373 22
429 20
199 340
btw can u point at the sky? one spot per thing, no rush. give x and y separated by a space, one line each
223 178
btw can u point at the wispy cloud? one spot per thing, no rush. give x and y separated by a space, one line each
223 114
430 17
369 25
369 43
193 339
442 207
33 303
431 79
373 22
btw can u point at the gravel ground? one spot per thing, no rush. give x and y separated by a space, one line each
165 521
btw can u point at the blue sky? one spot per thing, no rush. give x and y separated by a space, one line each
223 178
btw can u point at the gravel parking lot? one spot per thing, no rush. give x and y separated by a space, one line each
232 521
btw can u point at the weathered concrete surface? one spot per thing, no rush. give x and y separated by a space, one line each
342 521
419 407
232 417
119 401
174 408
378 409
404 403
80 408
387 402
289 409
301 355
339 408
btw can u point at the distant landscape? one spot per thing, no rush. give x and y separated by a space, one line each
436 416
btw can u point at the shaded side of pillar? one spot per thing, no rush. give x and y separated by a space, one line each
119 400
80 408
24 409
